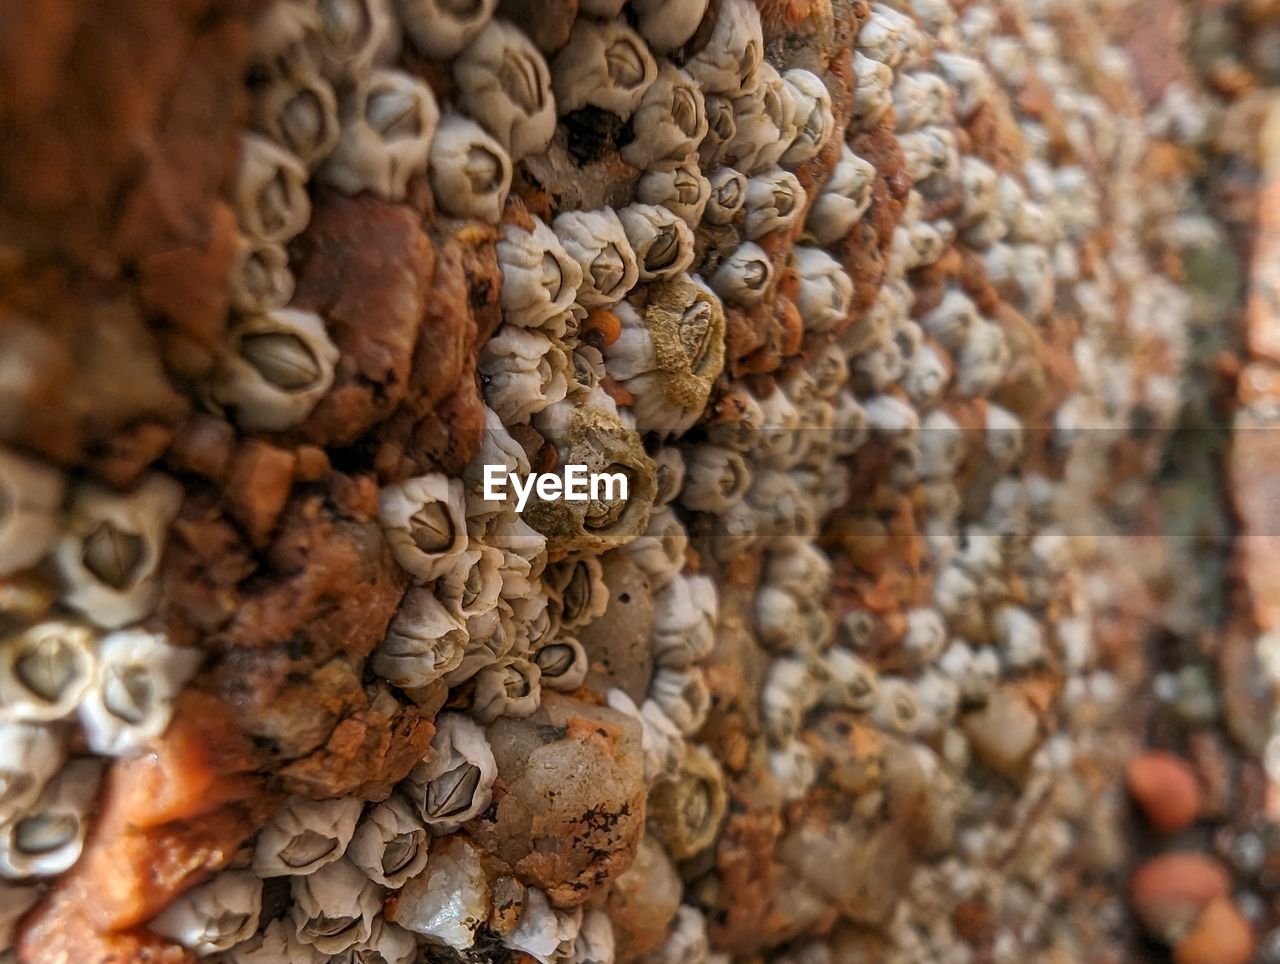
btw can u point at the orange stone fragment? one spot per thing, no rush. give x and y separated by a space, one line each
1221 935
1165 788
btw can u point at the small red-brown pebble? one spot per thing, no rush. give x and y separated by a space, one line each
1164 787
1221 935
203 446
313 463
261 478
1168 892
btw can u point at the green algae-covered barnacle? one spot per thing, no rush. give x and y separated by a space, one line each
669 354
597 439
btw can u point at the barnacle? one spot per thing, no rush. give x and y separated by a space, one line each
47 837
523 371
214 916
391 843
744 277
502 81
669 123
353 35
843 200
424 520
597 241
730 61
470 171
667 24
604 65
45 670
826 292
775 201
661 240
540 280
334 908
305 836
453 784
442 28
683 191
764 121
301 115
30 500
814 121
271 193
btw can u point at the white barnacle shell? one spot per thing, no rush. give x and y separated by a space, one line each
984 359
214 916
660 552
472 585
523 547
47 837
390 844
277 366
661 240
685 614
277 944
843 200
595 943
45 670
668 24
522 372
1019 635
305 835
492 636
30 498
540 280
744 276
918 98
450 901
826 291
873 91
929 151
424 522
260 276
15 901
597 241
978 202
388 122
727 195
497 447
926 377
950 321
130 703
669 123
887 36
878 366
789 692
683 696
942 446
660 740
470 171
814 121
271 191
387 944
353 35
442 28
925 637
794 767
604 65
715 478
424 642
109 554
775 201
896 708
683 190
1003 437
722 128
688 942
510 687
30 755
300 113
563 663
730 61
849 428
334 908
502 81
543 930
849 682
764 124
891 418
454 782
576 585
970 82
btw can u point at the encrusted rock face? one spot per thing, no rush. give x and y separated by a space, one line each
876 314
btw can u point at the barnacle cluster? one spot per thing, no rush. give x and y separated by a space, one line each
860 300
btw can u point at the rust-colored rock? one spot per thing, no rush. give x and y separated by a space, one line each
1221 935
1168 892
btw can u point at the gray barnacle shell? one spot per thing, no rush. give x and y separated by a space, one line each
942 445
984 359
872 95
668 24
685 615
896 708
918 99
30 500
30 755
764 124
790 691
793 765
283 43
471 586
441 28
47 838
604 65
424 521
722 128
260 278
334 908
354 35
661 240
563 664
510 687
45 670
470 171
109 554
843 200
271 191
543 931
387 943
683 191
390 844
305 835
669 467
300 114
669 124
730 61
278 943
826 290
926 377
15 901
683 695
454 782
597 241
849 682
814 121
450 901
522 371
276 368
540 281
577 588
775 201
388 122
715 479
214 916
660 552
424 642
887 36
926 636
502 81
745 276
727 195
